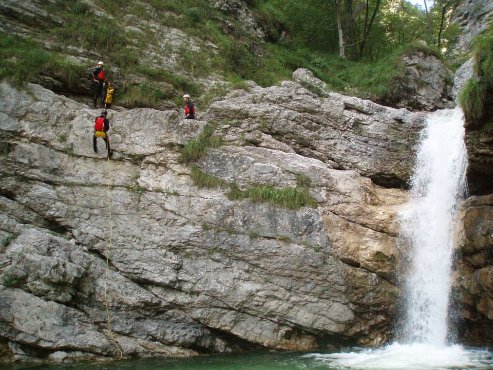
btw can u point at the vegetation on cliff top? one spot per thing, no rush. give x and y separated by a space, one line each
208 42
476 98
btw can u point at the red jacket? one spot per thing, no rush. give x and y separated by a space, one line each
98 74
189 110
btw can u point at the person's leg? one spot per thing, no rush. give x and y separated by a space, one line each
95 95
94 143
99 94
108 148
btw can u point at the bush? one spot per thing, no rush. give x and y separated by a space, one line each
483 56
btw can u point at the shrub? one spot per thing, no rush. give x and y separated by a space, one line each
194 14
483 55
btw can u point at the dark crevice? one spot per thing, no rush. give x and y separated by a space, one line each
351 262
236 343
389 181
7 194
56 227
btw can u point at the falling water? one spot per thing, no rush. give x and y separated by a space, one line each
427 224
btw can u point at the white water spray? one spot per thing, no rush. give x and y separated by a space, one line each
427 226
428 222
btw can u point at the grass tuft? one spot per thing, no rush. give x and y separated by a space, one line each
142 96
290 198
204 180
23 61
471 100
197 147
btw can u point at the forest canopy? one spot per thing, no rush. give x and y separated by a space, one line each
360 29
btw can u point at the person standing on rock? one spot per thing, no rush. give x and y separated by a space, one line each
189 107
98 78
101 128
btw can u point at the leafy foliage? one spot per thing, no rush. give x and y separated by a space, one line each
298 34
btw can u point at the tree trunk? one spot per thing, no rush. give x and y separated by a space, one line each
366 31
430 26
442 21
342 43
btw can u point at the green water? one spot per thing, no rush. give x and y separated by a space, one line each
257 361
391 357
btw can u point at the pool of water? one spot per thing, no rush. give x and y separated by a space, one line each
394 356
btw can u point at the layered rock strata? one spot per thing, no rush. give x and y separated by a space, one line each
129 257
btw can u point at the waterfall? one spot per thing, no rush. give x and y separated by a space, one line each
427 224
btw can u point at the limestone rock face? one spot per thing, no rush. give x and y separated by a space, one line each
473 17
479 144
239 10
131 258
425 86
463 74
25 17
343 132
475 281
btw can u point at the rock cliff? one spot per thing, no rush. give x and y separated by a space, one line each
473 283
130 257
139 257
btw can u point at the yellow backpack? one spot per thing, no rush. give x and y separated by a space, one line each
109 95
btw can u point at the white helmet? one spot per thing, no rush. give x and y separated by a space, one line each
186 96
100 63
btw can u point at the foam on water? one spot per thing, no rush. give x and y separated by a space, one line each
409 357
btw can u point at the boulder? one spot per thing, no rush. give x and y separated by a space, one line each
424 85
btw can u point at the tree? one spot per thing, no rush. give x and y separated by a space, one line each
430 24
444 10
340 30
367 25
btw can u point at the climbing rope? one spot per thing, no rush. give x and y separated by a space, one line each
108 248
